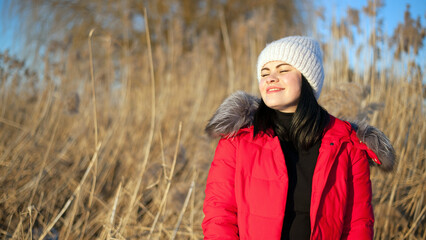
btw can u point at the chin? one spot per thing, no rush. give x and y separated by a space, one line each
272 103
274 106
281 107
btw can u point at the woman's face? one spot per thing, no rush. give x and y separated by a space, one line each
280 86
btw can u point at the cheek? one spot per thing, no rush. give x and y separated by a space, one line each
262 90
295 83
262 85
296 90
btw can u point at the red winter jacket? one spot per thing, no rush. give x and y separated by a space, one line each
246 188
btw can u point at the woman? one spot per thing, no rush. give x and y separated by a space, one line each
284 168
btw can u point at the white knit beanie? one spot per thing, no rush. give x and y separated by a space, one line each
303 53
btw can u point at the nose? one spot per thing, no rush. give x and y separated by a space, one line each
272 79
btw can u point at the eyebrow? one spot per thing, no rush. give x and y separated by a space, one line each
282 64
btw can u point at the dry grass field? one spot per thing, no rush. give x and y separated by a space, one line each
108 141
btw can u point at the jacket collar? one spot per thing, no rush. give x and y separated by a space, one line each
237 112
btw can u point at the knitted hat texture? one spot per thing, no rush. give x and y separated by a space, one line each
303 53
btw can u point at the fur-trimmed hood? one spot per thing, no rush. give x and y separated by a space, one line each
237 111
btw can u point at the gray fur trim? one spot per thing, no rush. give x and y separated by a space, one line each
236 112
377 141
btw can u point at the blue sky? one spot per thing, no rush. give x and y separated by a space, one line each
392 13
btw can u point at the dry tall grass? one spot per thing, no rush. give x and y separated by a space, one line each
140 173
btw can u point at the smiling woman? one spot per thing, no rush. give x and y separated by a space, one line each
285 168
280 86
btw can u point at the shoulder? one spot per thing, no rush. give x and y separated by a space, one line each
365 138
244 138
234 116
343 131
338 129
244 134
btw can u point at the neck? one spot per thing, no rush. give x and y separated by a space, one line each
283 120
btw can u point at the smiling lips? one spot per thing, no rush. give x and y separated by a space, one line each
273 89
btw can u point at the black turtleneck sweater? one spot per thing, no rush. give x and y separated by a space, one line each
300 167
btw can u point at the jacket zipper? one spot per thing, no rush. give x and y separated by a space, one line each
334 149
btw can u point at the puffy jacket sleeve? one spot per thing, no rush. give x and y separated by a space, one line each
220 208
359 217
